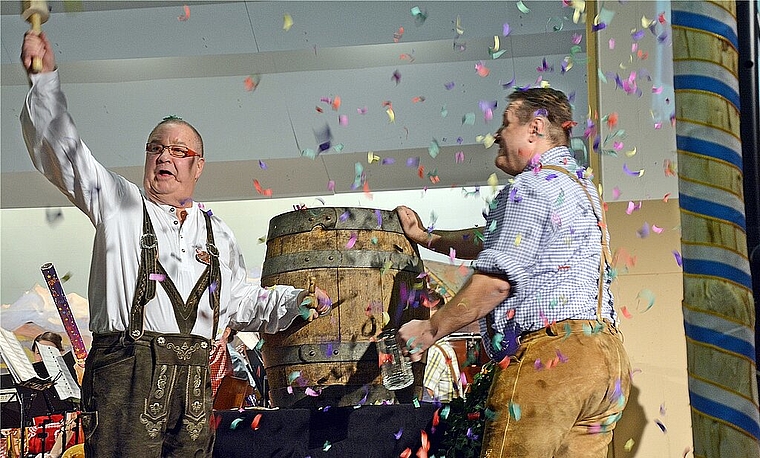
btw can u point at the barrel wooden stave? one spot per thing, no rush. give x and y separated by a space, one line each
342 359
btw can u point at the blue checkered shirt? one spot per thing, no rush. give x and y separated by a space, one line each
542 234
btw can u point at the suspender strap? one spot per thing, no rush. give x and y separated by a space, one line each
185 312
145 290
450 364
606 256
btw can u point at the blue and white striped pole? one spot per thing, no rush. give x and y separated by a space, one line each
718 307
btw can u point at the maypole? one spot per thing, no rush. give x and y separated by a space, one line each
718 307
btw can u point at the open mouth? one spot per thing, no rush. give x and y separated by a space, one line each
165 174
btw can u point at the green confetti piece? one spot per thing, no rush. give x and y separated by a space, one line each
259 344
523 9
434 148
468 119
444 111
234 424
497 54
373 240
490 414
293 375
445 411
515 411
310 153
339 147
416 403
327 446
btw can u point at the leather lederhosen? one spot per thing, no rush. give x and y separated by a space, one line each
173 353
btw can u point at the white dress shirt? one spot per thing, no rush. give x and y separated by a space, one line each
114 206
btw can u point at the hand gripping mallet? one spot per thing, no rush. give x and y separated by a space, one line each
35 13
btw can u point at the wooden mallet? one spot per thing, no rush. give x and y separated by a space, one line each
35 12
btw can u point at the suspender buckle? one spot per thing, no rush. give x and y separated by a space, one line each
148 241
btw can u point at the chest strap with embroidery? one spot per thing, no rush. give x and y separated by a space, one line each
151 271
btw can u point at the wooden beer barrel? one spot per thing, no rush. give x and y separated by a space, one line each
363 260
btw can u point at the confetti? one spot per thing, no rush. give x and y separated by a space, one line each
523 9
678 258
287 22
157 277
515 411
661 426
352 240
234 424
434 148
481 69
397 35
264 192
625 312
459 157
53 216
185 15
255 422
628 171
505 30
251 82
629 445
646 296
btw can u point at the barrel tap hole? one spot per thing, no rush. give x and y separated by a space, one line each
398 248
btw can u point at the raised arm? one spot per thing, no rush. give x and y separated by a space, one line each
467 243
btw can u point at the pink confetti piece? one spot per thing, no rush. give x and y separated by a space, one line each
157 277
362 110
311 392
185 15
331 185
657 229
452 254
459 157
343 120
481 69
632 207
611 43
352 240
615 193
625 312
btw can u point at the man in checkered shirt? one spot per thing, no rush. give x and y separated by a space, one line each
540 291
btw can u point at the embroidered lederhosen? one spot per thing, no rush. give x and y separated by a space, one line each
173 351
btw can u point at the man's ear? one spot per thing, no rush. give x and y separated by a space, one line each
538 127
200 163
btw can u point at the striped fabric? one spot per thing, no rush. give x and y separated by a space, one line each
718 306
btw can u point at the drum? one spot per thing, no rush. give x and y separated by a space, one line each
470 353
371 271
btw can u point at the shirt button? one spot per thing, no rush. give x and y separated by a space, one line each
183 250
176 222
171 209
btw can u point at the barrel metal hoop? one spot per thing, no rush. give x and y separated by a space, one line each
355 259
336 352
333 218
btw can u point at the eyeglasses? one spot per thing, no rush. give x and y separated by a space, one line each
174 150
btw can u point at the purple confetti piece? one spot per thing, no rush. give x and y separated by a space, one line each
449 86
379 218
459 157
344 216
577 38
598 27
637 35
398 434
262 165
213 286
505 30
551 176
387 161
413 162
679 260
541 112
331 185
630 172
644 231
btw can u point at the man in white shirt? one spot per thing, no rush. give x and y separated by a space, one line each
166 278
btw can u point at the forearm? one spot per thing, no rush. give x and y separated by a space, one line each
466 243
478 297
